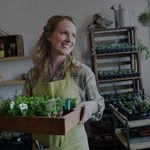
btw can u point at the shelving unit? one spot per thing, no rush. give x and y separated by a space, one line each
11 70
126 140
13 81
107 59
116 64
120 62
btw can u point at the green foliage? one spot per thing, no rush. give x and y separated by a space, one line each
144 17
8 136
33 106
5 107
143 49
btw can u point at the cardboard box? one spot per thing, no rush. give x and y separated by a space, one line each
40 125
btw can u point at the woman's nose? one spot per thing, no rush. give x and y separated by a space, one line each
68 38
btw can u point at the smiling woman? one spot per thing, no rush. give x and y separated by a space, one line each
63 39
56 73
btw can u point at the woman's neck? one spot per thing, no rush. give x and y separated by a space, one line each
54 63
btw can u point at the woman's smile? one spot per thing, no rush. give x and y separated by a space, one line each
63 39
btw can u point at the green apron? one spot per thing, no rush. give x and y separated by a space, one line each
76 138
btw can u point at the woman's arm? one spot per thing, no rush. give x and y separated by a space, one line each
93 105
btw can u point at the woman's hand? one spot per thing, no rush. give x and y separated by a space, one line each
88 108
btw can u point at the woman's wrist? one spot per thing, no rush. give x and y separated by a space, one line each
94 106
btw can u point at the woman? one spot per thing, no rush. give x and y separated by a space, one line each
57 73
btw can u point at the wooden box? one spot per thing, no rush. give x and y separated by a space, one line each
40 125
17 40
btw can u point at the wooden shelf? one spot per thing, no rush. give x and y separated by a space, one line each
131 123
135 143
116 54
11 82
14 81
114 61
105 30
118 79
15 58
138 123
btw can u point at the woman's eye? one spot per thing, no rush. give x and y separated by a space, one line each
68 34
74 35
63 33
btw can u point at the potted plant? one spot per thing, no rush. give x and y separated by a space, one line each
144 18
15 141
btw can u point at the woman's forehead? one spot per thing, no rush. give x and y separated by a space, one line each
66 25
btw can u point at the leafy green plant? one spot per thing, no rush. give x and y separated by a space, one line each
8 136
5 107
144 17
34 106
143 49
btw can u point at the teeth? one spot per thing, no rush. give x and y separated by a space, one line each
65 45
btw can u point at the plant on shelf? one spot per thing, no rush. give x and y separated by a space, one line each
144 18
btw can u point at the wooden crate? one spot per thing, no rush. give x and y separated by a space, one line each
15 39
40 125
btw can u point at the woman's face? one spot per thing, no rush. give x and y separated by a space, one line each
63 38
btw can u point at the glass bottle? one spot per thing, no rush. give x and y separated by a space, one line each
2 51
13 49
8 52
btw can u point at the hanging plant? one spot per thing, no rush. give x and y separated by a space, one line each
144 18
143 49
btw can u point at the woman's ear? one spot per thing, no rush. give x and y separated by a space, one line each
48 36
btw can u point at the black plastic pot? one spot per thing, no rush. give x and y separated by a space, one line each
25 143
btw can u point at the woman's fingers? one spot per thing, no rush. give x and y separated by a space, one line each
87 109
79 106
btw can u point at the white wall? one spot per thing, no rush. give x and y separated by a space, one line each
27 17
